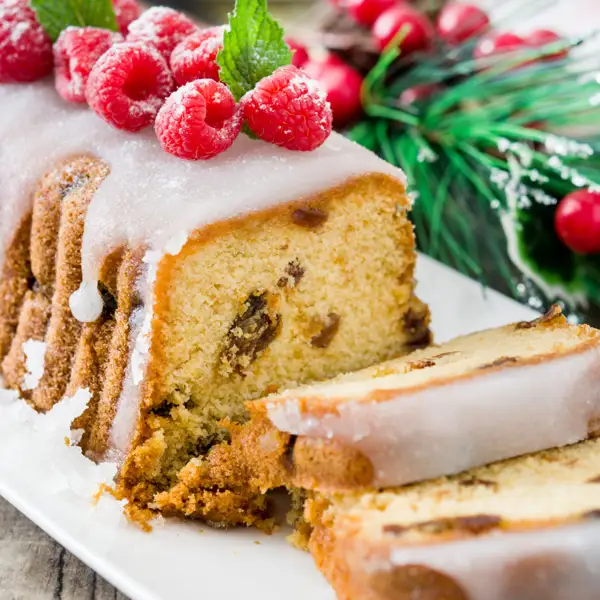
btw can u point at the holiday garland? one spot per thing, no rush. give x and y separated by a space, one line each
494 151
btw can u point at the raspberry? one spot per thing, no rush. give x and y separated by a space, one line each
75 53
199 120
289 109
196 56
25 48
128 85
163 27
126 12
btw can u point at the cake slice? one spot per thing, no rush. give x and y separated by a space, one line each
178 291
435 412
523 529
480 398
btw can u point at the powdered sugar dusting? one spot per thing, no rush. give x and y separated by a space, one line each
35 352
66 469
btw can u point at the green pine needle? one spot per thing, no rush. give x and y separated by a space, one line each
486 171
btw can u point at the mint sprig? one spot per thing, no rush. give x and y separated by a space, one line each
253 47
56 15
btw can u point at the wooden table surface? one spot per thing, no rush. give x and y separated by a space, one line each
35 567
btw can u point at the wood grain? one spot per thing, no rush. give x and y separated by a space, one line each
35 567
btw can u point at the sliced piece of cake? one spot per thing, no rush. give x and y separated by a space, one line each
480 398
523 529
477 399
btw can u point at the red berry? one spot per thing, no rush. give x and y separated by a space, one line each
459 21
288 109
342 84
199 120
196 56
128 85
126 12
25 48
544 37
577 221
499 44
75 53
420 30
163 27
300 52
366 12
418 93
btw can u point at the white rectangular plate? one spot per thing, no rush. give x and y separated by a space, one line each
50 484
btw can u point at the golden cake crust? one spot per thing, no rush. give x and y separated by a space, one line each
15 280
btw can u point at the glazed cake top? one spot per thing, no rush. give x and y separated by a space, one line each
149 196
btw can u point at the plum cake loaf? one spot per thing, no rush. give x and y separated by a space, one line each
477 399
524 529
177 291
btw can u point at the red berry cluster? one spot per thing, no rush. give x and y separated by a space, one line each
26 49
162 70
457 23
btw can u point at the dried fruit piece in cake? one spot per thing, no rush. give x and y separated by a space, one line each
523 528
408 418
128 85
75 53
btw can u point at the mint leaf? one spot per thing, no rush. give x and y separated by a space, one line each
56 15
253 47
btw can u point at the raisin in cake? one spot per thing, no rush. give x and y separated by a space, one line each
524 529
177 291
480 398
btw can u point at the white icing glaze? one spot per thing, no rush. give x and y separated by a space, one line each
495 567
149 196
86 303
467 423
35 354
123 424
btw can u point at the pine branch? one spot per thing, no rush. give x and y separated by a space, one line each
480 156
